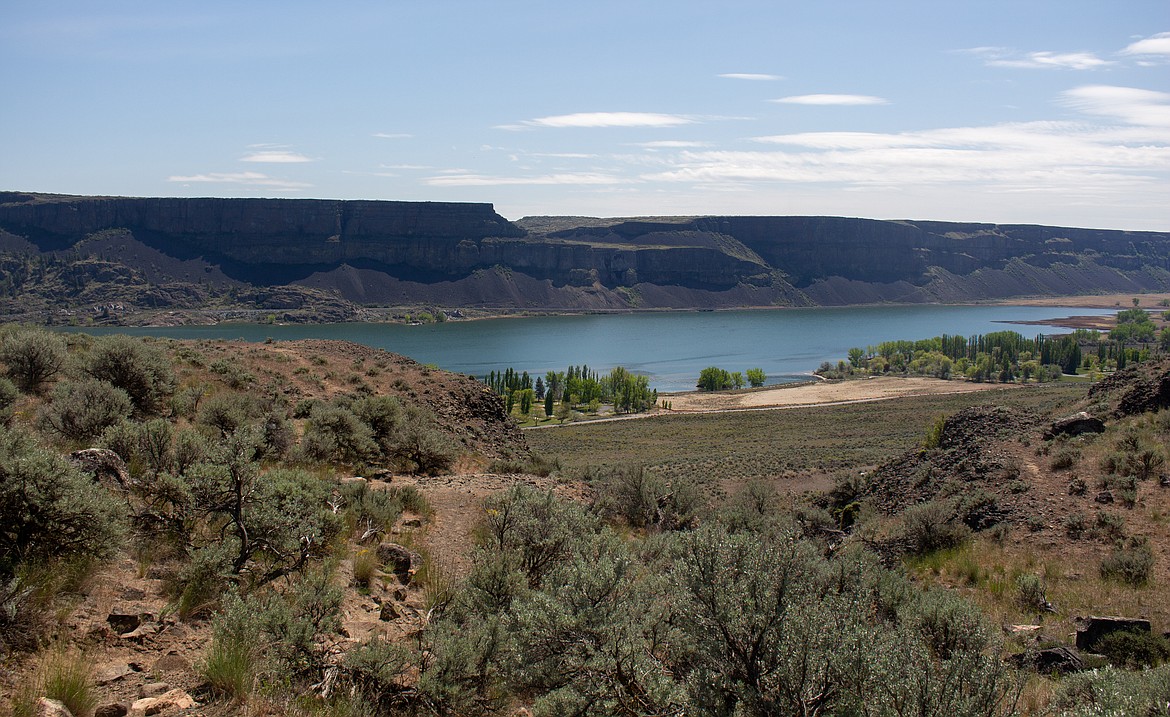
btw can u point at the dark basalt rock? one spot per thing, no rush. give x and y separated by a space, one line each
1076 425
1095 628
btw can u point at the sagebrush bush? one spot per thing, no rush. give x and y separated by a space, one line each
932 526
48 508
9 395
1130 564
82 410
32 357
1134 649
140 369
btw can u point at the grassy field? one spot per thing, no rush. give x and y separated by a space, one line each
803 445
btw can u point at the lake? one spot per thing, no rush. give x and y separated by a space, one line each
669 347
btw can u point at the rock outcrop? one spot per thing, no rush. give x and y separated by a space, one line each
184 253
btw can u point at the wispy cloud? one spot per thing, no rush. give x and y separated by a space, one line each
392 135
275 156
479 180
1040 60
253 179
826 99
756 77
1131 105
605 119
1153 45
671 144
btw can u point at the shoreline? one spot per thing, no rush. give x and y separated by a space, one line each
384 314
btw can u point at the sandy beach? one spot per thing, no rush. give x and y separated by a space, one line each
823 392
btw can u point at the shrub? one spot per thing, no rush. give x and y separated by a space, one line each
1075 524
421 446
1134 649
227 412
32 357
9 395
1077 486
138 368
1130 564
931 526
1031 594
48 508
82 410
336 434
365 566
1065 458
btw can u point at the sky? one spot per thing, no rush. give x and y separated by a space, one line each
1007 111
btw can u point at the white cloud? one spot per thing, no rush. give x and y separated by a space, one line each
1131 105
479 180
1052 60
832 100
253 179
388 135
1153 45
405 166
751 76
608 119
671 144
275 156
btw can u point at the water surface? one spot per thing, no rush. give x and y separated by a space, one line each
669 347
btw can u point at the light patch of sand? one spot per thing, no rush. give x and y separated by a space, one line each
824 392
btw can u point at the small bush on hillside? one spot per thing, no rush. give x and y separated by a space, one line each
65 677
336 434
227 412
1112 691
1130 564
931 526
138 368
1031 594
1134 649
82 410
32 357
1064 458
421 446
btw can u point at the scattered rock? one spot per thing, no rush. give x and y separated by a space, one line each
104 465
176 698
1095 628
52 708
1075 425
133 594
124 622
412 523
143 631
1051 659
114 709
388 613
403 562
153 689
171 662
1105 497
399 594
112 672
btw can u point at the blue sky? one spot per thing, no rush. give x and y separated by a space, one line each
1052 112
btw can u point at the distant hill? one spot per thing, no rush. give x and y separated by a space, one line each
70 258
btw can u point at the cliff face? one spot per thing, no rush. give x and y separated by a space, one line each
466 254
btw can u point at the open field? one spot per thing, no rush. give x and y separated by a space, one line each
799 448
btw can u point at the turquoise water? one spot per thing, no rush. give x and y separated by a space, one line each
671 348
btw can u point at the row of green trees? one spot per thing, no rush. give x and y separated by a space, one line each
576 386
714 378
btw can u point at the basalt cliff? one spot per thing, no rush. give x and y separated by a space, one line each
87 258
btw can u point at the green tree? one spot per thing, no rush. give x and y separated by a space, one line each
714 378
756 377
